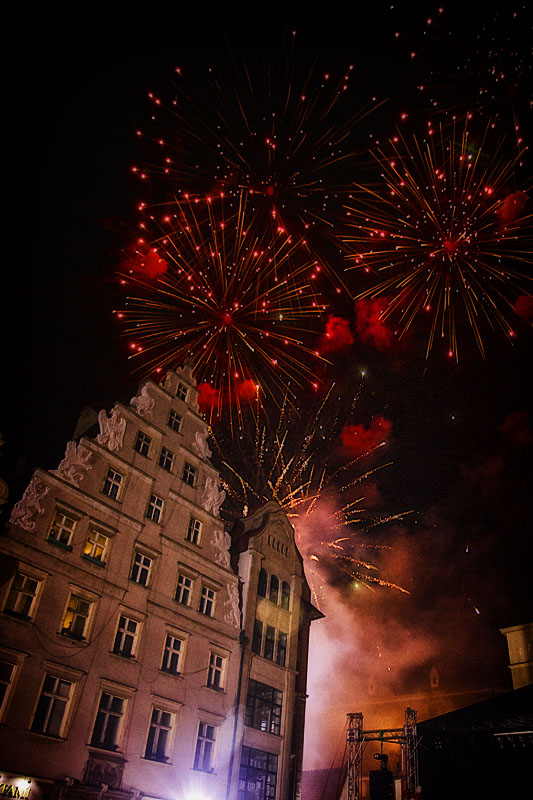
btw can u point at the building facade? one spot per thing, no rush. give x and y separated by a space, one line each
130 662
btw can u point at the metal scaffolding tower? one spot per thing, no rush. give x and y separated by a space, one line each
357 738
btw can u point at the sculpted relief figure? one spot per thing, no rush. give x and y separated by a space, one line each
29 505
75 464
213 498
112 430
221 545
143 402
231 606
200 445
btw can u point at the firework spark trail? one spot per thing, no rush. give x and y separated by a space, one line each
239 305
291 461
287 135
440 229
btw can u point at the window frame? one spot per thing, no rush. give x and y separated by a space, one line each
166 459
31 574
248 771
154 511
254 716
180 589
66 675
83 597
180 654
202 738
138 569
59 511
190 474
174 421
169 739
194 530
208 601
112 483
136 636
182 391
216 673
101 562
15 659
143 444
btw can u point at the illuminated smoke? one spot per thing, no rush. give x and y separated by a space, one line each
338 335
358 440
370 328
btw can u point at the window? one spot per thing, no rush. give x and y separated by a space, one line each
270 638
166 459
113 483
107 724
155 508
174 420
285 595
281 655
61 529
262 583
52 705
205 746
76 617
7 674
141 569
215 673
159 735
257 637
181 392
142 443
274 589
194 530
22 596
189 474
263 707
257 775
126 637
207 601
172 655
184 590
96 547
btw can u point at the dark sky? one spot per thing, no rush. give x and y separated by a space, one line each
461 440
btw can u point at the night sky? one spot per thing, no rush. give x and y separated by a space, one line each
461 437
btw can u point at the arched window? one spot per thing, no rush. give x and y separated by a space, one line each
262 583
274 589
285 595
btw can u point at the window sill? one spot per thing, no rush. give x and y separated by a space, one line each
124 657
165 761
61 545
171 673
16 615
210 771
48 737
95 561
72 637
218 689
102 747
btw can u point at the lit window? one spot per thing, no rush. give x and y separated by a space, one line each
263 707
207 601
113 483
76 617
108 719
159 735
181 392
172 655
22 596
166 459
215 673
189 474
126 637
50 714
257 775
142 443
174 420
205 746
61 529
155 508
142 567
274 589
184 590
285 595
7 674
194 530
262 583
281 654
96 546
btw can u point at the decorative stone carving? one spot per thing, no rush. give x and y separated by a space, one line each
213 498
75 464
29 505
112 430
105 769
200 445
168 381
143 402
221 545
231 607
